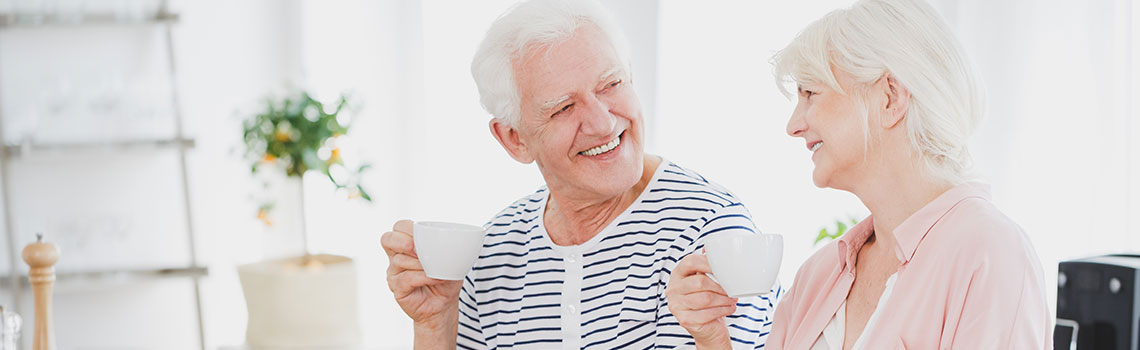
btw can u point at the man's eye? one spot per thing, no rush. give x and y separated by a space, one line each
566 108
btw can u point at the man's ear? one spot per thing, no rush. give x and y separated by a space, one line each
897 101
509 138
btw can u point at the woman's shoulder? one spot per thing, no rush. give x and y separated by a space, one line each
978 222
977 228
819 266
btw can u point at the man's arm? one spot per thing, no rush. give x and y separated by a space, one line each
431 304
470 331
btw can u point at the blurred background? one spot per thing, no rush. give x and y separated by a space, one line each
122 126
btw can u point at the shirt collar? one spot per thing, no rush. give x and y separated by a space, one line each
852 241
912 230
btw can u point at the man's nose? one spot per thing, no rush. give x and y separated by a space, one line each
597 118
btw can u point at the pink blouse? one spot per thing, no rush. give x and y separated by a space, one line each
969 279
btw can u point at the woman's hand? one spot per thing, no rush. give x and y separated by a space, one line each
699 304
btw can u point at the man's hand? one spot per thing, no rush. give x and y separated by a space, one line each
432 304
699 304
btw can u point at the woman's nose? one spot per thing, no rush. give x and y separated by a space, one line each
796 124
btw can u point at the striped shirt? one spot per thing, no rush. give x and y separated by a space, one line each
525 292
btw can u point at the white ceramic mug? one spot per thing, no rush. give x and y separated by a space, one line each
447 250
745 264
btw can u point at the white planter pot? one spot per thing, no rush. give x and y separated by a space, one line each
295 306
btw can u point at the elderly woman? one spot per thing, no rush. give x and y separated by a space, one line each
582 262
886 103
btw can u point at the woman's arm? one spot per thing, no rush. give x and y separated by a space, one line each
1006 308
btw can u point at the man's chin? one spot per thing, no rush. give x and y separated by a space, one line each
614 181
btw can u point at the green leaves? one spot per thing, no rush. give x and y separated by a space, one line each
299 134
840 229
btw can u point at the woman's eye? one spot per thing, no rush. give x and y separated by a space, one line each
615 83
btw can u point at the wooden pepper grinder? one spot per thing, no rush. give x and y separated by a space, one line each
41 256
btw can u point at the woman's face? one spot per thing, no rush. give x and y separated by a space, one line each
831 124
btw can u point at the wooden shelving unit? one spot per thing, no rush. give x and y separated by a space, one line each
17 278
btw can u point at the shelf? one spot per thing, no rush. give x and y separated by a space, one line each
25 149
118 275
9 20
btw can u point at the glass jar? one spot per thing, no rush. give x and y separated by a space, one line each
10 323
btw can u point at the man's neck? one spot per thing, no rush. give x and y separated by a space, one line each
573 222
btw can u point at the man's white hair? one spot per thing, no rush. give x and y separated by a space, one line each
907 39
530 25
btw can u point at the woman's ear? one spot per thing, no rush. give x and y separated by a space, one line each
509 138
897 101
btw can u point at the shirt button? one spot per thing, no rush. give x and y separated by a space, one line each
571 308
572 258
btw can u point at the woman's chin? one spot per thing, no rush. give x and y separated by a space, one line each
819 178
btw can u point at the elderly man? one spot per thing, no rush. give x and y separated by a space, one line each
582 263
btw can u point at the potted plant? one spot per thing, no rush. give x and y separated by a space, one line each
307 300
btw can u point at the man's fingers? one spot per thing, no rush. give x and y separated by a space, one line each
397 242
404 283
405 262
405 226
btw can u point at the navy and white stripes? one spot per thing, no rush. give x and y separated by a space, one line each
527 293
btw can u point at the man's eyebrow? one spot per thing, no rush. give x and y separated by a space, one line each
609 73
548 105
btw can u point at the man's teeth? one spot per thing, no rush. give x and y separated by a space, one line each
816 146
603 148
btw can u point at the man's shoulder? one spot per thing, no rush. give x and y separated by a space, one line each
677 183
522 215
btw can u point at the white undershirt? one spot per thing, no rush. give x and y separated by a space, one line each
832 336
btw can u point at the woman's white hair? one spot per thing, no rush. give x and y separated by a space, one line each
908 40
530 25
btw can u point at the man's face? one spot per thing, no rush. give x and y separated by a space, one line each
580 118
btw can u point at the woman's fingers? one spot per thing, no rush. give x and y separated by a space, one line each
695 318
705 300
699 283
692 264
